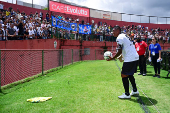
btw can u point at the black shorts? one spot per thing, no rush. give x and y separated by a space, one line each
129 68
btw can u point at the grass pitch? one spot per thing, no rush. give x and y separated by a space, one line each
86 87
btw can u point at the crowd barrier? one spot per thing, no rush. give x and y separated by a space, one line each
165 63
17 65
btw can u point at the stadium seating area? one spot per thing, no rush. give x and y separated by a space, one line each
19 25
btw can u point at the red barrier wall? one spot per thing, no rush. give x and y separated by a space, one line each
61 44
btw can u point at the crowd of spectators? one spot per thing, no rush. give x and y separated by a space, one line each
16 25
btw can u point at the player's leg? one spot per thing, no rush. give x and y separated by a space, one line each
144 65
140 65
154 61
125 81
134 91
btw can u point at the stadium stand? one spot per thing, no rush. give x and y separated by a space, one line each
30 24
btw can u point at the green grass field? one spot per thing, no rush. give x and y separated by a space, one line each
86 87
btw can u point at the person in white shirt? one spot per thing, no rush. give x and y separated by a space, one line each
31 33
41 33
126 47
5 33
43 24
1 7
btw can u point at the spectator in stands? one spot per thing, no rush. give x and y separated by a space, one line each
11 32
5 33
10 9
141 48
31 33
1 31
43 24
31 15
155 56
8 13
26 34
47 17
45 33
21 28
40 33
1 7
41 15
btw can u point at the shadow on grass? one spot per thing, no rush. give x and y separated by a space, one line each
149 74
144 100
149 71
166 77
2 93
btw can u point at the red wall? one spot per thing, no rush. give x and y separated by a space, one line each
29 44
61 44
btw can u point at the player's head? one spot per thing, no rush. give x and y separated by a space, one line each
116 31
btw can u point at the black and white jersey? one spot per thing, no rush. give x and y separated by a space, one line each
129 52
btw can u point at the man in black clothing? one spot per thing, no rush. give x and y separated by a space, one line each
21 29
26 34
47 17
11 32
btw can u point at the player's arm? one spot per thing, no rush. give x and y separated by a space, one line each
119 52
120 58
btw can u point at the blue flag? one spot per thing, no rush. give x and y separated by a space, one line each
63 24
85 29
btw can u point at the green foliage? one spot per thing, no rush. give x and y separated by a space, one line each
45 8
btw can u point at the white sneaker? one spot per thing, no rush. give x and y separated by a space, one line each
134 93
124 96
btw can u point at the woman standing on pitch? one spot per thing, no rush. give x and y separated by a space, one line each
155 56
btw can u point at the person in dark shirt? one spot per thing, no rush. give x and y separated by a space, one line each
20 27
31 15
47 17
10 9
26 34
11 32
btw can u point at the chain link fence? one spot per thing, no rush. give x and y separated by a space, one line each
16 65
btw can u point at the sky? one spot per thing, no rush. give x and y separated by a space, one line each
158 8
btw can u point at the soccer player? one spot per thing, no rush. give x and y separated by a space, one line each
127 49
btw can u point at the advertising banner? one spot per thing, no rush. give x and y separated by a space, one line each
68 9
106 15
84 29
63 24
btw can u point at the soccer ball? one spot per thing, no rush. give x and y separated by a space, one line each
107 54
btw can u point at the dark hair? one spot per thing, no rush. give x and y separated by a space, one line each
155 39
117 27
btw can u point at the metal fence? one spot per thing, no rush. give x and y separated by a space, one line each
16 65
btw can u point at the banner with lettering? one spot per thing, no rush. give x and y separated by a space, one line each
68 9
84 29
63 24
